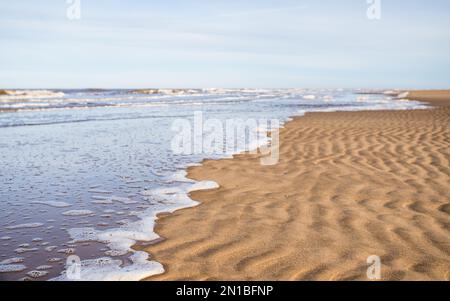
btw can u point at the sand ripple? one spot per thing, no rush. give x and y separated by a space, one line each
348 185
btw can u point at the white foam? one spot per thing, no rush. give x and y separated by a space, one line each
181 176
102 202
25 94
13 260
25 250
23 226
80 212
43 267
108 269
170 195
203 185
403 95
120 240
37 274
362 98
53 204
99 191
66 251
83 234
100 197
123 200
391 92
309 97
7 268
54 259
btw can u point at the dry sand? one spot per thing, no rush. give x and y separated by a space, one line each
348 185
436 97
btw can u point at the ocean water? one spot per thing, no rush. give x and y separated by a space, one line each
84 172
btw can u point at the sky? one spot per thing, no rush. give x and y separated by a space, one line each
228 43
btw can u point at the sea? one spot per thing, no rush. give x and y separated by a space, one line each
84 173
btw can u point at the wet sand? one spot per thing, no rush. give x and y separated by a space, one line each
348 185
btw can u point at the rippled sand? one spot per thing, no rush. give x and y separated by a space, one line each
348 185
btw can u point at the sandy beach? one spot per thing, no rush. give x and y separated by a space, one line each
434 97
348 185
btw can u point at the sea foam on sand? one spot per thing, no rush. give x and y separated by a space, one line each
108 269
120 240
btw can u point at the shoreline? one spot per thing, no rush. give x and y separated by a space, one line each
180 253
437 98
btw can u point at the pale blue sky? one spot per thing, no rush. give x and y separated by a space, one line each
260 43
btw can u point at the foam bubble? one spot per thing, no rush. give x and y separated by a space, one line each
53 204
391 92
80 212
13 260
120 240
203 185
123 200
102 202
23 226
12 94
66 251
180 176
83 234
37 274
54 259
114 253
43 267
7 268
100 197
25 250
403 95
108 269
99 191
111 199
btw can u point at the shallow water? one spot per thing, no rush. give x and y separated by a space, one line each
84 172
